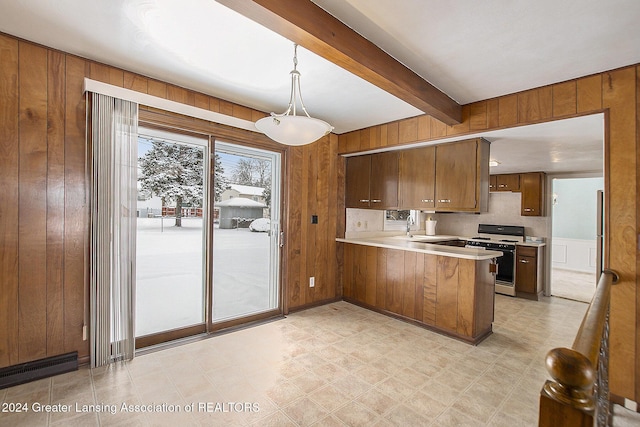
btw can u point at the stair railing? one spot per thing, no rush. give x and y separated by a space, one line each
578 394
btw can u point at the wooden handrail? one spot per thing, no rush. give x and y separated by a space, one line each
587 340
568 399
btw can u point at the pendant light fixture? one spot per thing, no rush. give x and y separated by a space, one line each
288 128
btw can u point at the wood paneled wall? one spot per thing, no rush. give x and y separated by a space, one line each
44 215
615 92
317 188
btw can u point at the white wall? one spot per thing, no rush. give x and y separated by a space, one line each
574 207
574 211
574 254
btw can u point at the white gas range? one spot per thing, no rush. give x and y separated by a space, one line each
501 238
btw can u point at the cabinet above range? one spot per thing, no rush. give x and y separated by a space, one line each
532 185
451 177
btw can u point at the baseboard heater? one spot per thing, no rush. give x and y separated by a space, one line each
38 369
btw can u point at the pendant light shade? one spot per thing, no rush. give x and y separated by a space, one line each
288 128
293 130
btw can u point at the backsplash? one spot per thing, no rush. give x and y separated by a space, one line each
364 220
504 209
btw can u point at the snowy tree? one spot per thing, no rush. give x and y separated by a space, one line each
255 172
220 182
267 193
262 172
173 172
243 172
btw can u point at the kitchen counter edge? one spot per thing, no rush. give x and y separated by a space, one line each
427 248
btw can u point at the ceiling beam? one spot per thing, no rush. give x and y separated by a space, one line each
305 23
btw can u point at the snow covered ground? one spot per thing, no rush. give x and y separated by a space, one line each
169 284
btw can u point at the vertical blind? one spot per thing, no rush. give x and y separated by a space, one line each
114 153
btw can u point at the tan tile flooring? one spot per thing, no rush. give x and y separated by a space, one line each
333 365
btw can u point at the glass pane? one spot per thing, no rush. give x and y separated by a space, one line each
245 242
170 237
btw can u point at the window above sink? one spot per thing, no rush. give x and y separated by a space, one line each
397 219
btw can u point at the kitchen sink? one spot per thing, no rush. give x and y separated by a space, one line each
453 242
437 239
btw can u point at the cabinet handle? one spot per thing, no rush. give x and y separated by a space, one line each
376 201
427 200
364 200
502 185
524 261
444 200
528 209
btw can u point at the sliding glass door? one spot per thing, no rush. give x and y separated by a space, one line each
246 251
201 264
171 236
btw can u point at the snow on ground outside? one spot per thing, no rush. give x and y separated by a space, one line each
169 287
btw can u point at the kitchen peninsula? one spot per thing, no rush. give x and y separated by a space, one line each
447 289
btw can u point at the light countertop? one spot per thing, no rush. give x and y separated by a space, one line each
534 244
424 244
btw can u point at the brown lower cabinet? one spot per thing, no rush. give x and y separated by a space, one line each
529 271
454 296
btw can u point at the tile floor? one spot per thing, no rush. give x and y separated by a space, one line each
333 365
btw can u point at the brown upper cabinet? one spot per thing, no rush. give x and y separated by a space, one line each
462 176
451 177
418 178
533 193
372 181
530 184
505 182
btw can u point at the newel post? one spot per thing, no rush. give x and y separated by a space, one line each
568 399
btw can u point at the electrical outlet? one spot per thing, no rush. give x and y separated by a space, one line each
312 282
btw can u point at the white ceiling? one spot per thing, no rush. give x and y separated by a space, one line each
469 49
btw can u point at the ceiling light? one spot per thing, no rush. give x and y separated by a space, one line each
493 163
288 128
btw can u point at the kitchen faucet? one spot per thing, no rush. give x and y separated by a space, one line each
409 224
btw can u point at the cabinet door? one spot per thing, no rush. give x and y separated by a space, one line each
357 182
456 176
383 189
526 274
493 183
532 186
508 182
417 178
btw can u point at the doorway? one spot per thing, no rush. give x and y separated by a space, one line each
576 213
246 235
